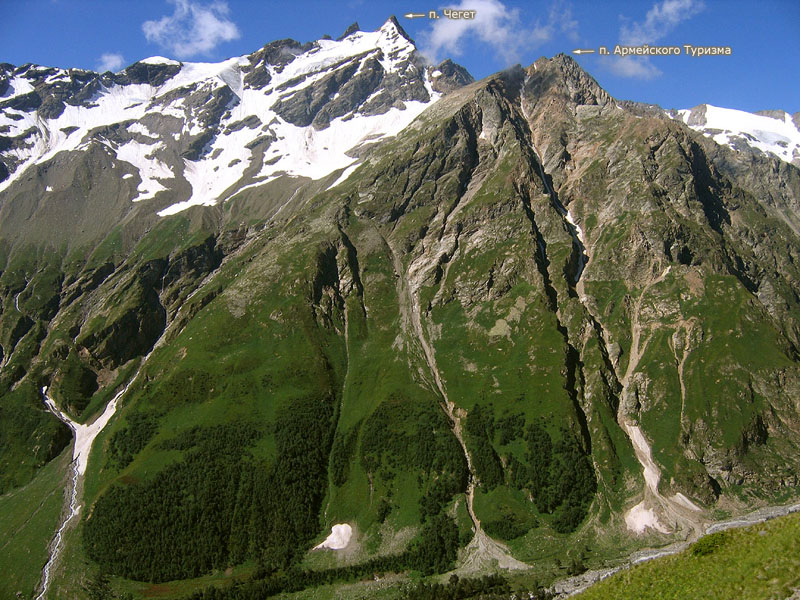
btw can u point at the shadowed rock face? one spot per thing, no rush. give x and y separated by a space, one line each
450 76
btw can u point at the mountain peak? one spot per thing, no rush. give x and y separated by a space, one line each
159 60
349 31
197 133
448 76
564 77
392 27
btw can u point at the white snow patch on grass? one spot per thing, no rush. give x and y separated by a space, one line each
338 539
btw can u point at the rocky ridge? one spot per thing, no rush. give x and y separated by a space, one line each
183 134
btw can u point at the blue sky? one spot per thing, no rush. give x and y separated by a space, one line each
761 73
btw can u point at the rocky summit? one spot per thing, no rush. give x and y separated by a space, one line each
325 315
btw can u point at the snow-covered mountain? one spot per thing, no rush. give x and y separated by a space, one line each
536 313
774 131
289 109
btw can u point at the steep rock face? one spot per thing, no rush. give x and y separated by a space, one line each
659 197
448 76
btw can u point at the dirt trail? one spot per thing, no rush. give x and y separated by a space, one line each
482 552
687 327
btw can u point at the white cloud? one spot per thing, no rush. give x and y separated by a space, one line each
110 61
661 19
635 67
192 29
497 26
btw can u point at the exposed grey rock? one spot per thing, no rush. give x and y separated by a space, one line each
780 115
452 76
142 72
697 116
350 30
23 103
250 122
302 107
562 73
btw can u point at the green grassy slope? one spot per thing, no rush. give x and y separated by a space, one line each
754 563
28 519
296 390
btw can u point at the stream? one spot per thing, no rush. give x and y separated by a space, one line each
84 436
72 510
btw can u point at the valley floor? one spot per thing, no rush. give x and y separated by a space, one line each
754 521
760 561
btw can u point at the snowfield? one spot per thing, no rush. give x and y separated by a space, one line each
776 135
229 161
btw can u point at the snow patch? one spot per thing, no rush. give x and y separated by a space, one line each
84 434
57 76
683 500
151 170
307 152
578 230
17 87
338 539
727 126
142 129
345 175
651 471
112 105
640 518
159 60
